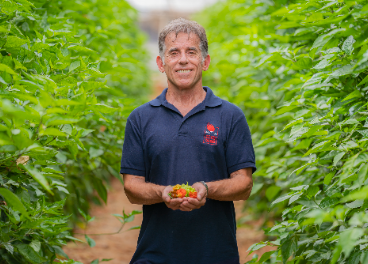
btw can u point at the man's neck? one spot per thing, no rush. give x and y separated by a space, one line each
185 99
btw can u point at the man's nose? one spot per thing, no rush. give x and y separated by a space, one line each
183 58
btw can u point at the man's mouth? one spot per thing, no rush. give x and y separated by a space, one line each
181 71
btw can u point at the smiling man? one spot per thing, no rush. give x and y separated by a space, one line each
187 134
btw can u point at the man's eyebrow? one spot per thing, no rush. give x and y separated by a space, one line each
173 49
176 49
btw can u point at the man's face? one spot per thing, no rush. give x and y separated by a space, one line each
183 60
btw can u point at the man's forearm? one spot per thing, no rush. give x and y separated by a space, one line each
237 187
140 192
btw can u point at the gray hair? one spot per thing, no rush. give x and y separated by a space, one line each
187 26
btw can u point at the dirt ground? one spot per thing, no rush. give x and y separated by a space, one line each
120 247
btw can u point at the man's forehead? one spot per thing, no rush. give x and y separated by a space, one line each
181 36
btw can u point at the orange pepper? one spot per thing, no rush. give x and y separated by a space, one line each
181 193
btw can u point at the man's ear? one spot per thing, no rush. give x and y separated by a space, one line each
160 64
206 63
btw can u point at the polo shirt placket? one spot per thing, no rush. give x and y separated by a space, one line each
183 129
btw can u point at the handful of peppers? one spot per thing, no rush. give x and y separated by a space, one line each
184 190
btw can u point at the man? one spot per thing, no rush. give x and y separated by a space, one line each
187 134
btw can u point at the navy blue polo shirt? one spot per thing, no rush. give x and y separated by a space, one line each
208 144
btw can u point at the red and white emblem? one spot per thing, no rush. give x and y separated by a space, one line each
210 134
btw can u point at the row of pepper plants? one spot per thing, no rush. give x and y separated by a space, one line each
68 73
298 69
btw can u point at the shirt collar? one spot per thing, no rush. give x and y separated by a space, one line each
211 100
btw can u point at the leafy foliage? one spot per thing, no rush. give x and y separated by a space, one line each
299 71
65 70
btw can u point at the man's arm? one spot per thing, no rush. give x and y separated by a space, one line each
139 191
237 187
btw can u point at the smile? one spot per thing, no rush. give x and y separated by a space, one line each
184 71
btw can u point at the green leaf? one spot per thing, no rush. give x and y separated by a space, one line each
347 46
338 157
357 195
60 102
353 94
8 246
355 204
364 257
255 247
90 241
322 64
14 201
38 176
344 70
81 49
13 42
285 109
96 261
348 238
93 153
364 133
7 69
292 123
36 245
272 191
85 132
323 39
59 120
328 202
354 258
266 256
312 191
256 187
104 108
52 132
31 255
287 249
100 188
362 158
281 199
362 174
135 212
364 80
128 218
74 65
328 178
134 227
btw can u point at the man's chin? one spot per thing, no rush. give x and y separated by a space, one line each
184 85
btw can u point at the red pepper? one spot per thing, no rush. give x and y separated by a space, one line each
181 193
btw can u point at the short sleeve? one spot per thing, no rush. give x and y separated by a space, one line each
239 149
132 161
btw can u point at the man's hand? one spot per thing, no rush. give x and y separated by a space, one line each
173 204
189 204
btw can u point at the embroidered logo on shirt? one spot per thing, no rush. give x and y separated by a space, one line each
210 134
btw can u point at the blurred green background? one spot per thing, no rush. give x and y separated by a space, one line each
71 72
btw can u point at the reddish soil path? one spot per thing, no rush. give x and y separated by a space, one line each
120 247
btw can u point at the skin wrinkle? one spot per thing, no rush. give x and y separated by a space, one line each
203 52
